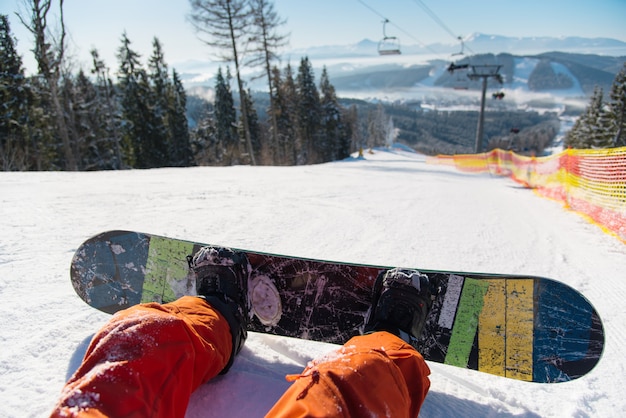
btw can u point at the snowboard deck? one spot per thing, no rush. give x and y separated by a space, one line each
519 327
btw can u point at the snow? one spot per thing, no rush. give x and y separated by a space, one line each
390 208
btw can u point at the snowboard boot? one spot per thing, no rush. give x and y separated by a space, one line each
222 280
401 301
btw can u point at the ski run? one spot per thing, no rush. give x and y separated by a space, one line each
390 208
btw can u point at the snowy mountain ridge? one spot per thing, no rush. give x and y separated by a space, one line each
562 68
477 43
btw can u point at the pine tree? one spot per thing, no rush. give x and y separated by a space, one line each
180 143
50 55
151 133
288 120
596 124
160 93
225 23
377 127
275 146
15 108
225 121
333 144
617 109
309 113
135 94
80 93
253 123
204 142
573 137
602 124
42 140
108 149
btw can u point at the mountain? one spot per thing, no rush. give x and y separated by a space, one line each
476 43
483 43
544 69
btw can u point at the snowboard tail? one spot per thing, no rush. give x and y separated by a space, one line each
519 327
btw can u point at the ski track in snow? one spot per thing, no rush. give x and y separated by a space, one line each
389 209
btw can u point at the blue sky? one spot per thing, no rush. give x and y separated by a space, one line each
100 23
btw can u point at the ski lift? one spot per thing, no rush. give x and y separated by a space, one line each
459 76
389 45
499 95
462 47
458 72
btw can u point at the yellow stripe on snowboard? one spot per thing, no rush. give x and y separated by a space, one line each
492 330
519 342
505 336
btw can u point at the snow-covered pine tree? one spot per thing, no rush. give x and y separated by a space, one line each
225 121
333 144
15 93
253 123
377 127
275 143
108 149
138 119
180 153
204 142
602 125
573 137
587 131
309 114
50 56
617 109
160 91
84 123
288 121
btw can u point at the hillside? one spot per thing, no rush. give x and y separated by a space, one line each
432 131
584 70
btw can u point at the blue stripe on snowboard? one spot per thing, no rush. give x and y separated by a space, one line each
121 260
550 328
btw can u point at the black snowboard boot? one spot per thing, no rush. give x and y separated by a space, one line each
222 280
401 302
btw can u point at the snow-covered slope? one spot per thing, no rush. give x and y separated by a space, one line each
390 208
524 68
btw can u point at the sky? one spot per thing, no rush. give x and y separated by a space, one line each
100 23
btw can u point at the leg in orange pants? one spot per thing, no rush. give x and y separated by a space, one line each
147 361
376 374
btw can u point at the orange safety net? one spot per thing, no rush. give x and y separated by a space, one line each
590 182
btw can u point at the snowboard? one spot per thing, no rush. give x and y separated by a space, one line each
519 327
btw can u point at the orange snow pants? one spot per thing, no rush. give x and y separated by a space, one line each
377 375
148 359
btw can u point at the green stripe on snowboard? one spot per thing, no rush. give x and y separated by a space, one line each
466 322
166 280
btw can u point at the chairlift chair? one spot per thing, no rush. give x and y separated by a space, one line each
462 47
458 73
389 45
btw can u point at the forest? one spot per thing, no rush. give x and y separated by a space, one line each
142 116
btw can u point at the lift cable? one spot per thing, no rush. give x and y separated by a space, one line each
422 44
437 20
